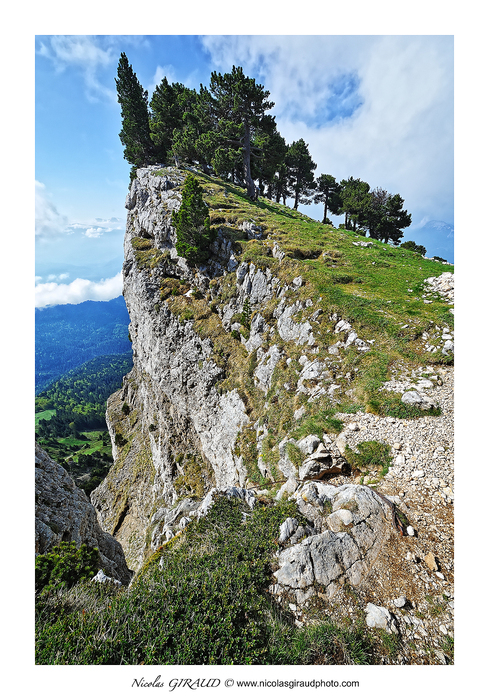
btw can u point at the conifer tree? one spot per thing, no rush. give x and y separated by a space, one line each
135 134
327 193
239 106
169 104
192 223
384 217
301 172
355 200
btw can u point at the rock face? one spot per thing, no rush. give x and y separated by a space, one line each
64 513
351 523
183 425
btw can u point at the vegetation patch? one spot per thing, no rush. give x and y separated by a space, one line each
201 599
368 454
65 565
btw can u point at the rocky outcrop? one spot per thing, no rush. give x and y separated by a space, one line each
217 348
64 513
351 525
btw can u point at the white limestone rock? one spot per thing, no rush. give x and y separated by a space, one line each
380 618
331 558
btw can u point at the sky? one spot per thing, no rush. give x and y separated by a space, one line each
378 108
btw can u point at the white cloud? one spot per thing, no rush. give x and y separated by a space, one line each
399 137
48 221
52 293
95 232
55 278
86 53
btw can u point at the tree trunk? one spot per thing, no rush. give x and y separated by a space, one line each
296 201
250 185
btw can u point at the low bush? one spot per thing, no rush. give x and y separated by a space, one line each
201 599
65 565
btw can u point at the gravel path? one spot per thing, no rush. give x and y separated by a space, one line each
418 567
423 449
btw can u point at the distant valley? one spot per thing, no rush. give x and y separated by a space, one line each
82 353
70 334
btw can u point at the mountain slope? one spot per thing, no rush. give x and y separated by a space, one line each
70 334
289 323
293 394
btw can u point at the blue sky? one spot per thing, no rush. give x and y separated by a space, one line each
375 107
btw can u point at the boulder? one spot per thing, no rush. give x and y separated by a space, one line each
331 558
414 398
287 529
380 617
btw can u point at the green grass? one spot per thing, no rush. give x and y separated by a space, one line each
44 415
369 454
377 289
201 599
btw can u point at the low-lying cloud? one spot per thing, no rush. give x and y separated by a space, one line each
53 293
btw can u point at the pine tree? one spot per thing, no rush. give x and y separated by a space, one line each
301 172
169 105
239 106
135 134
328 193
192 223
355 201
385 218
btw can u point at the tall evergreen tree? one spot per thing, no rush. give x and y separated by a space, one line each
270 151
169 104
327 193
239 107
197 138
355 200
385 218
135 134
280 183
300 172
192 223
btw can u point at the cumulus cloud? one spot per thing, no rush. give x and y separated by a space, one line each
375 107
55 278
48 221
52 293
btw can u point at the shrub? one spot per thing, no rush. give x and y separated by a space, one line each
411 245
245 315
65 565
201 599
192 223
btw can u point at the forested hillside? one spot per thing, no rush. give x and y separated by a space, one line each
70 417
70 334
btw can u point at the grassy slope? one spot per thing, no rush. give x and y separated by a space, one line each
231 620
378 289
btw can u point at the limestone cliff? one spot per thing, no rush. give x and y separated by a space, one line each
230 358
64 513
